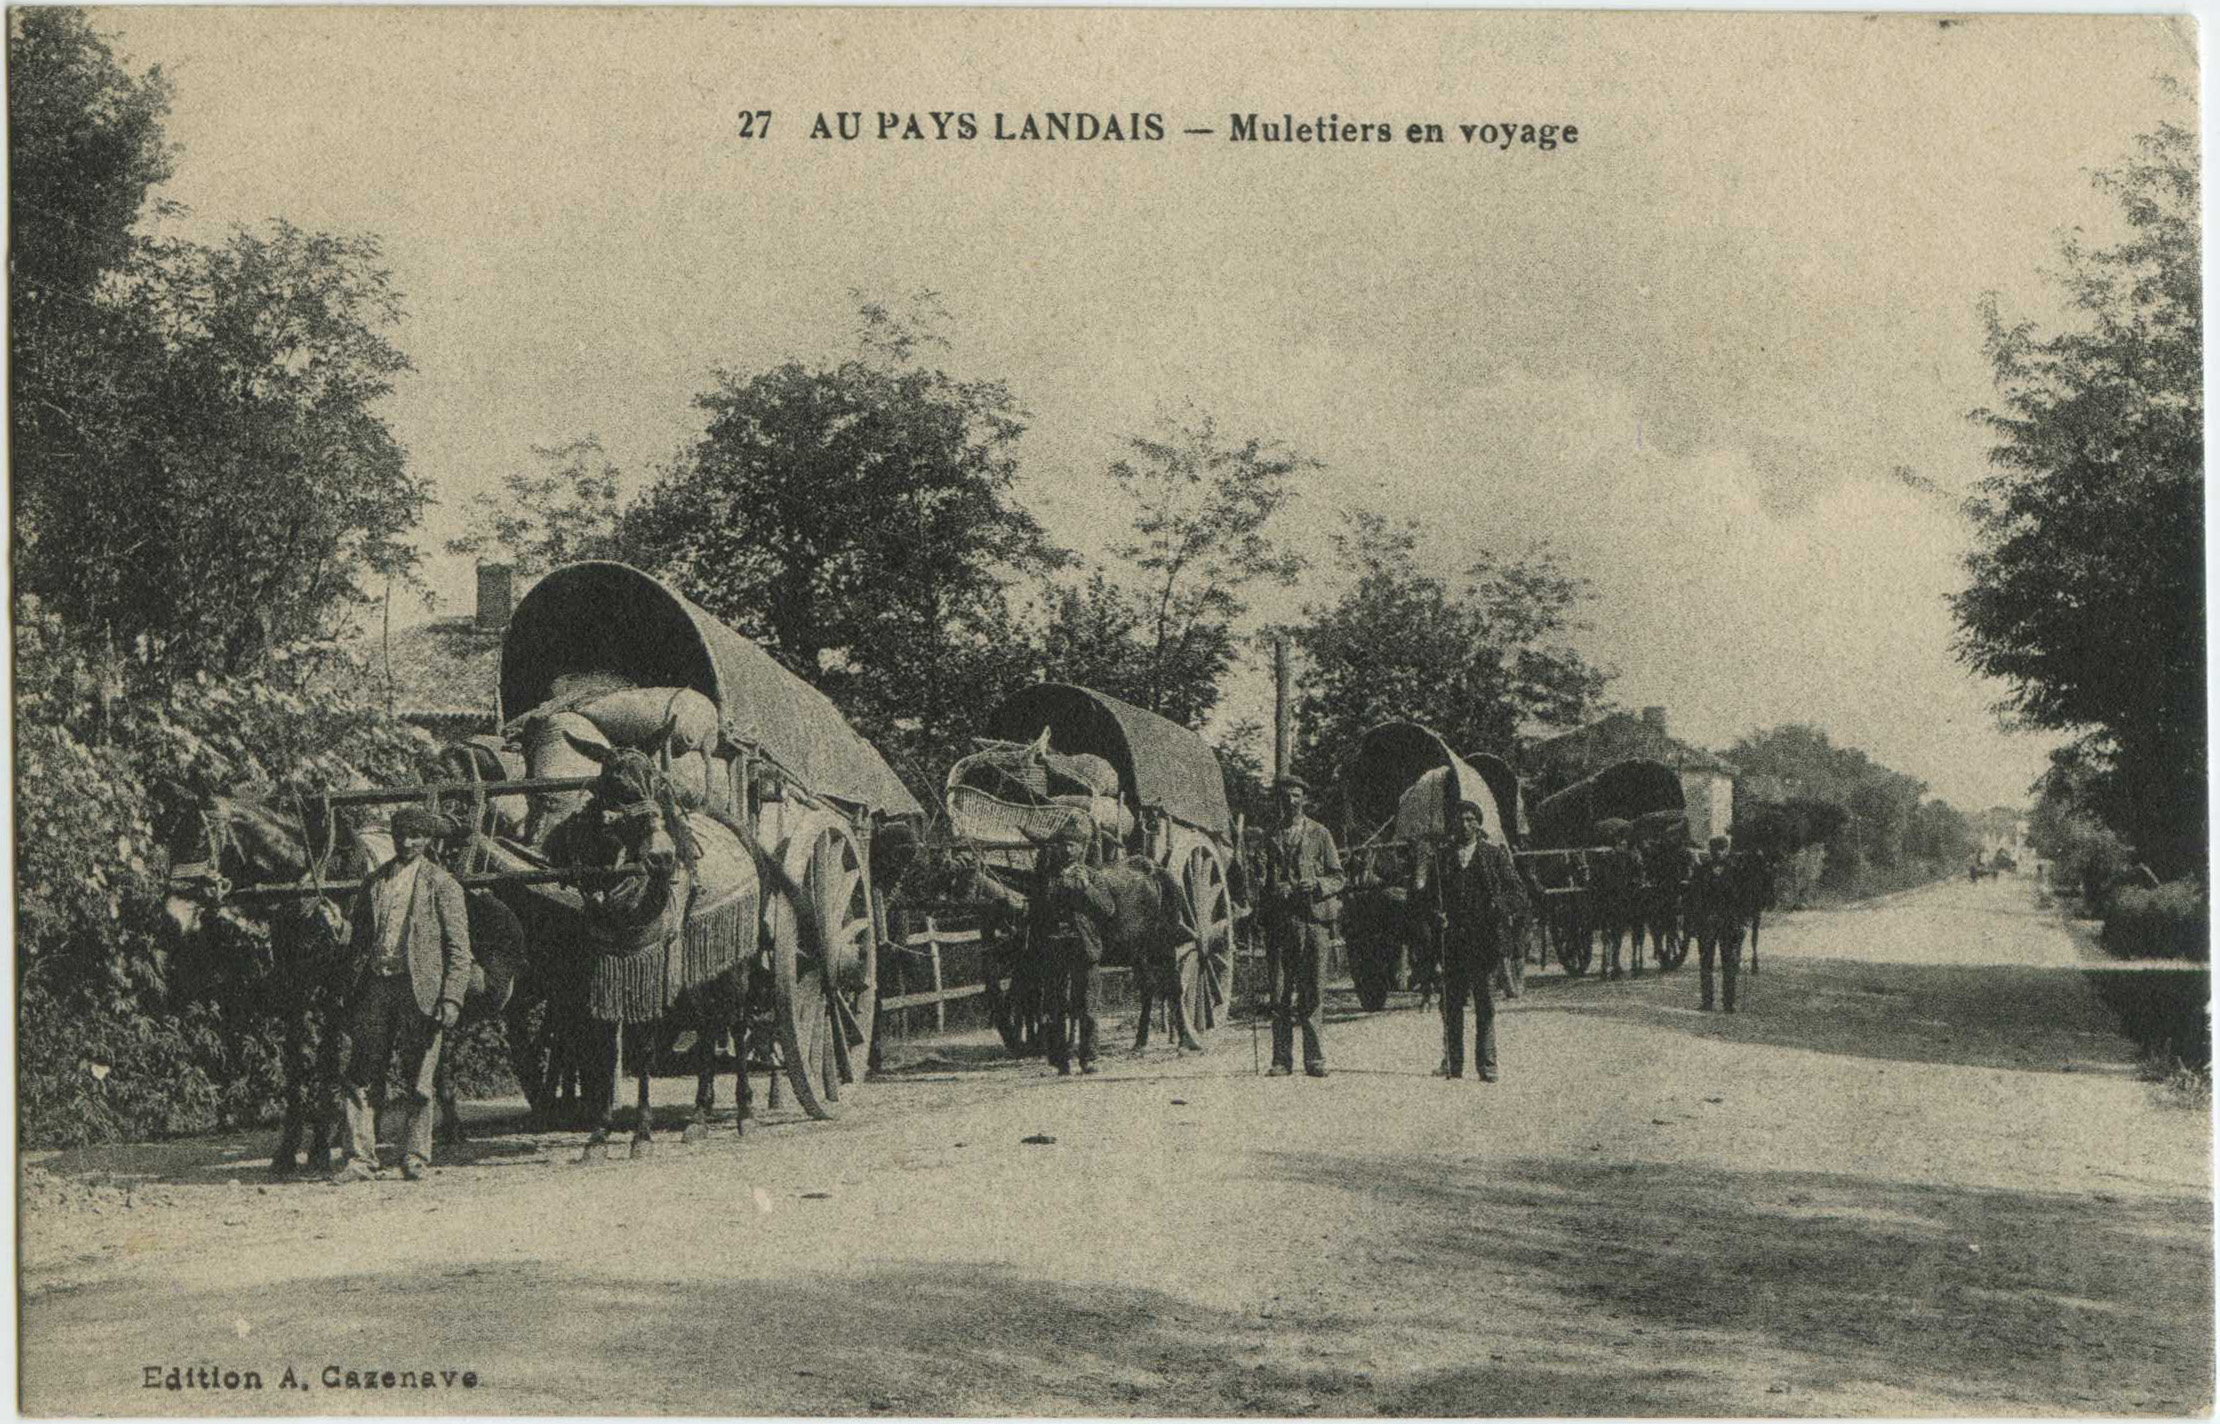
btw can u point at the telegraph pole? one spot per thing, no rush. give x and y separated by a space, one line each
1282 710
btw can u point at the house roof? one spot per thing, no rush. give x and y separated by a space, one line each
1623 735
449 669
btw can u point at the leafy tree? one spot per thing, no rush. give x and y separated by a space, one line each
860 521
1203 501
1098 635
250 485
566 512
2086 592
1875 817
85 148
1475 663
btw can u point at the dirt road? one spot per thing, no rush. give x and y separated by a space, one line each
1916 1175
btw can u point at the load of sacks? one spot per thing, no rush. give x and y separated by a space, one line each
603 712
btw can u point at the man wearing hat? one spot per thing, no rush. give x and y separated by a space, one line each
1302 901
1479 896
412 957
1716 903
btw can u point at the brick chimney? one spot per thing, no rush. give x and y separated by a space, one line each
496 596
1652 717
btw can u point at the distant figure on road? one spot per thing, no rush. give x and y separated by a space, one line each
1302 900
1718 905
1480 898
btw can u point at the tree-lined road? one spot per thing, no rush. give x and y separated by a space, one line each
1917 1175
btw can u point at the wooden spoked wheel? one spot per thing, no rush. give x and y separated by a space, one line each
1206 966
824 962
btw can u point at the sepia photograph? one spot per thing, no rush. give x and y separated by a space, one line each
1125 713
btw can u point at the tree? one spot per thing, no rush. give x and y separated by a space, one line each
1203 501
245 486
85 151
859 520
1098 635
2086 592
1475 664
567 512
85 148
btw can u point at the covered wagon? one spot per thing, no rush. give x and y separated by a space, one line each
1398 796
773 779
1057 754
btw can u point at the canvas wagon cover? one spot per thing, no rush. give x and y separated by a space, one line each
609 617
1160 764
1387 780
1627 790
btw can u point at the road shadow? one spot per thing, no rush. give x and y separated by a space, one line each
1509 1289
2068 1301
2039 1020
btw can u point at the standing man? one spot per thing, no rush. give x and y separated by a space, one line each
412 956
1717 903
1480 897
1302 899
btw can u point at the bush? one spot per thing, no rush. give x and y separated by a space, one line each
117 1037
90 1072
2172 922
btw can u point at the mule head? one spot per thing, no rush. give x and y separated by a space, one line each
217 842
629 799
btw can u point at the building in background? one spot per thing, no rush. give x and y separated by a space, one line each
1706 782
2003 828
445 676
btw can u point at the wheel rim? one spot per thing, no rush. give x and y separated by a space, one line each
1206 969
824 960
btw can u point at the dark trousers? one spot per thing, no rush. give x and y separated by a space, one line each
1723 941
1296 959
1075 1016
382 1017
1468 977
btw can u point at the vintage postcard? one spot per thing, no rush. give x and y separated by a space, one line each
1143 713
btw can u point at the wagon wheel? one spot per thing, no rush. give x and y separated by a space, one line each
1206 967
1016 997
824 962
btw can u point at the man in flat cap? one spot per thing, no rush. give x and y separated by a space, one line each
1480 895
1718 907
412 966
1302 901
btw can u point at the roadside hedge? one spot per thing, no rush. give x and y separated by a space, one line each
2173 921
122 1033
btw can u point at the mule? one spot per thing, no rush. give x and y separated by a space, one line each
628 926
223 842
1382 923
1135 911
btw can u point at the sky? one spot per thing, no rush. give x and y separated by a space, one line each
1689 349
